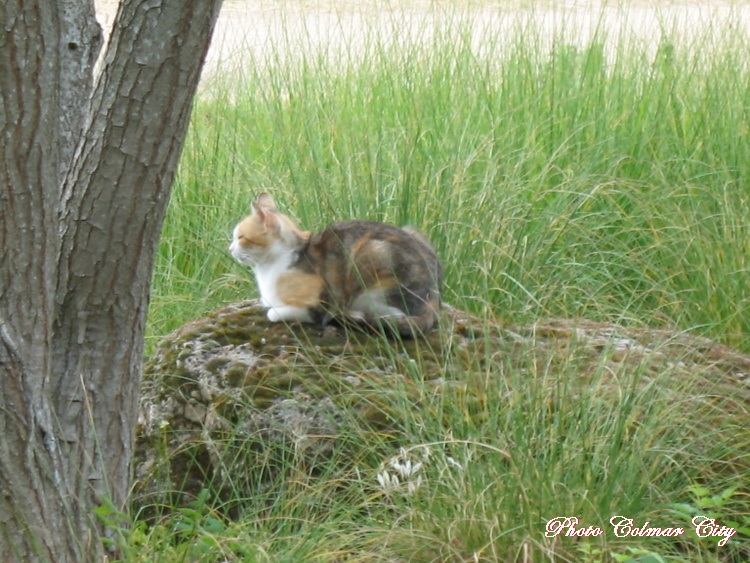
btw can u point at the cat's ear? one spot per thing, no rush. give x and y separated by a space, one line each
265 210
264 207
270 220
264 200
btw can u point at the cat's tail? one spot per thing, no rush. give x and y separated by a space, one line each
415 326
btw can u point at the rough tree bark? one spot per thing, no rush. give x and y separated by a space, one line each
86 167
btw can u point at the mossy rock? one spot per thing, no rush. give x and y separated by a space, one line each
228 400
228 393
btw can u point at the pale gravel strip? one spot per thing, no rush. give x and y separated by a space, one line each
247 29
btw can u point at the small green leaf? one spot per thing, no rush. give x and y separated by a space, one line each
699 491
684 509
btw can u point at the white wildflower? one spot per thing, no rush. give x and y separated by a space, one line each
412 486
403 471
395 464
453 463
387 481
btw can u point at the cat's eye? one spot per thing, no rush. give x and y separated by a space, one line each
246 241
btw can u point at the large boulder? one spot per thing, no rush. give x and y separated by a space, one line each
229 399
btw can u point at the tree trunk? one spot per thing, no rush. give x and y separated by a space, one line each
86 168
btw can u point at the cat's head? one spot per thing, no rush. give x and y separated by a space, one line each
265 235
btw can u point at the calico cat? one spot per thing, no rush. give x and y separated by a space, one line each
370 273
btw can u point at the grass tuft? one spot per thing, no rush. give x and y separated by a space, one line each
598 179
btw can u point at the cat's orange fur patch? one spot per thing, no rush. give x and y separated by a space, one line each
252 232
256 230
290 226
372 263
299 289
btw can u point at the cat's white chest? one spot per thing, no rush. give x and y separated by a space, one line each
267 277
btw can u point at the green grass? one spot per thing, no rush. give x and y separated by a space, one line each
555 180
554 183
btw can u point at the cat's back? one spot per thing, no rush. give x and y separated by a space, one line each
371 253
357 239
355 229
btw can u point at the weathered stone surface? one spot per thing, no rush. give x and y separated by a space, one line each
233 385
226 394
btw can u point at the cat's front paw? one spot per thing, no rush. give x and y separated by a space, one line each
289 313
273 316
